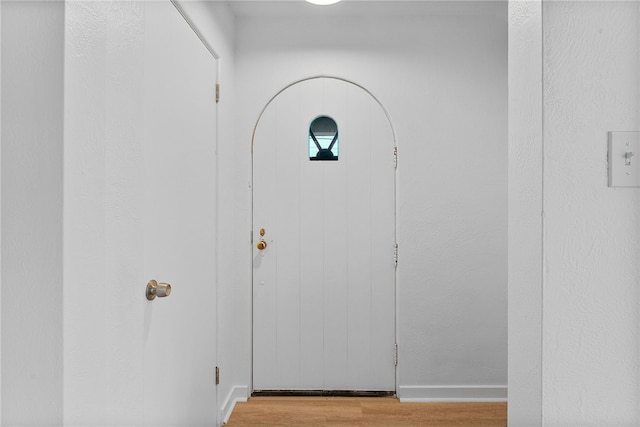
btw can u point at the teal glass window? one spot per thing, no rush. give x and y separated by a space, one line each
323 139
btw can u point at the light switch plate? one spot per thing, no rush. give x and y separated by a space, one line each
624 159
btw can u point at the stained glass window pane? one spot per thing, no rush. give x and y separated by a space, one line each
323 139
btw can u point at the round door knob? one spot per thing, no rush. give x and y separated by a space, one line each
155 289
262 245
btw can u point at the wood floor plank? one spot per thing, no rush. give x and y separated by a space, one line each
364 412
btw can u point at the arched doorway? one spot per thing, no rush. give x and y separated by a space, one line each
324 241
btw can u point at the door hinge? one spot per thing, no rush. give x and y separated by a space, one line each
217 92
395 157
395 355
217 375
395 255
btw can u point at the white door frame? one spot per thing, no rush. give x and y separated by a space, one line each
395 201
525 204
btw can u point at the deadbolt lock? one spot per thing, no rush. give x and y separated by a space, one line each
262 245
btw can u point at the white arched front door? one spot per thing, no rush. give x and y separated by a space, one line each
324 285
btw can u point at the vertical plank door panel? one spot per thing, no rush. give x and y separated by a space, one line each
264 266
290 140
324 289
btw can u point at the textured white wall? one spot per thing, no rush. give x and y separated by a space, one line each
91 330
32 138
103 362
444 81
591 246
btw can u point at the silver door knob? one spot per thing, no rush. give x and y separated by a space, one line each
155 289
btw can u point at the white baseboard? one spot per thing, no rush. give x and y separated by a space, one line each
489 393
237 394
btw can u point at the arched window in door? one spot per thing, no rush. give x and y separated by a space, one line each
323 139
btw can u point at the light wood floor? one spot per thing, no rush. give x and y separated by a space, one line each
372 411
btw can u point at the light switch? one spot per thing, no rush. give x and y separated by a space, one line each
624 159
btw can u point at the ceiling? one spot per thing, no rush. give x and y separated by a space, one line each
363 8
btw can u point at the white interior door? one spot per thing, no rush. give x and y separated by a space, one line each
324 286
179 220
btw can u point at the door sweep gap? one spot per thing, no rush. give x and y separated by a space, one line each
323 393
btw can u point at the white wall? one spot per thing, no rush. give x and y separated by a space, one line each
32 138
443 80
591 247
103 366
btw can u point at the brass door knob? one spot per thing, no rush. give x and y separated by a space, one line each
155 289
262 245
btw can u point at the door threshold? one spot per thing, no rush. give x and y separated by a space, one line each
323 393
